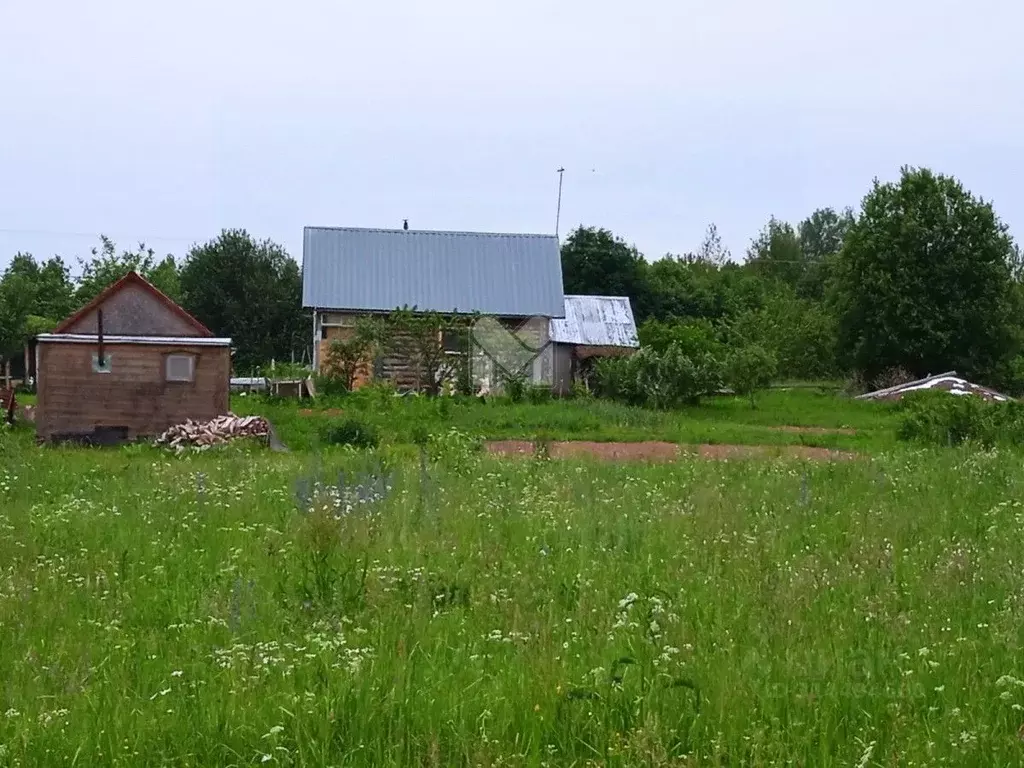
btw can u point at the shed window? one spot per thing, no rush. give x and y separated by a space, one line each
180 368
105 366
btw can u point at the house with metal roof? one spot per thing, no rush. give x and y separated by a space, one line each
593 326
515 279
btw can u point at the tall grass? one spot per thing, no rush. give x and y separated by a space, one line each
233 608
715 420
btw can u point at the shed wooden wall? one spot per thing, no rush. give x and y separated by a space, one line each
563 368
74 399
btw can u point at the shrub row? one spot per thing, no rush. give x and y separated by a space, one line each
680 374
939 418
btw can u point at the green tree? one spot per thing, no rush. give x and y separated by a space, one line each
34 297
682 288
15 308
799 333
594 261
108 266
748 369
250 291
424 338
351 354
776 253
924 281
711 251
821 236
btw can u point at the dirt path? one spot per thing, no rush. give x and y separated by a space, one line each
658 451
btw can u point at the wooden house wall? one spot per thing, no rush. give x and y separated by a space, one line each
72 398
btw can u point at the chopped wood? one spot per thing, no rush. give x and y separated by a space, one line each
220 430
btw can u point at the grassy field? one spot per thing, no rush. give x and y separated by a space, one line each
718 420
339 608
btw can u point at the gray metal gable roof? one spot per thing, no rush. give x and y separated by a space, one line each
596 321
382 269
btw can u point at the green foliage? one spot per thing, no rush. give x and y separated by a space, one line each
330 385
538 393
799 333
351 355
694 337
939 418
680 288
821 235
749 369
580 391
223 613
667 379
924 281
354 432
776 253
456 450
107 266
596 262
514 385
420 336
34 297
250 291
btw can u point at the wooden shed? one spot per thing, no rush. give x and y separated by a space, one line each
128 364
593 327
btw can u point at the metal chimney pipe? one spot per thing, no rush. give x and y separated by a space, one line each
99 337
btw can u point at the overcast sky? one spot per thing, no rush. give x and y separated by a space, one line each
168 122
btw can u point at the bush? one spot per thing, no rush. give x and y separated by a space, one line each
694 337
940 418
539 393
748 369
514 386
580 391
354 432
665 379
328 385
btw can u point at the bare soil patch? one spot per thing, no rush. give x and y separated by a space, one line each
660 451
324 412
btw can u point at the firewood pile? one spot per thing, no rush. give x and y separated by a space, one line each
223 429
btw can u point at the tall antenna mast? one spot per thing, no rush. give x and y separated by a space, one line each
558 214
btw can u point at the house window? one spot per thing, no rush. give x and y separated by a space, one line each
180 368
101 367
453 342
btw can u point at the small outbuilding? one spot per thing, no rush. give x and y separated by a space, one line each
593 326
129 364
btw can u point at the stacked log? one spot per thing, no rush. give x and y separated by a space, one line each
221 430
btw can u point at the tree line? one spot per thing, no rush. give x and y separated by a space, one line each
923 278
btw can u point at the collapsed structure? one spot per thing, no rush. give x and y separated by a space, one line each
943 382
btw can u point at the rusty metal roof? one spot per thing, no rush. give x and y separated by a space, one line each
596 321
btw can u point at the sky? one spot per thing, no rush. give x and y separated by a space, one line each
168 122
